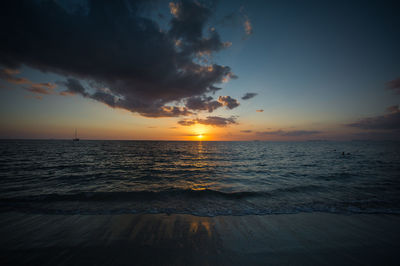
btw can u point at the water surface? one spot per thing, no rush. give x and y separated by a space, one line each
200 178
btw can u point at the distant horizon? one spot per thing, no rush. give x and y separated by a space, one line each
254 140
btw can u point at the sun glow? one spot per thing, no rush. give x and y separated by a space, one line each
199 132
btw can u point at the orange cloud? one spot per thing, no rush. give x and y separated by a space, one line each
215 121
42 88
247 27
8 74
174 9
37 88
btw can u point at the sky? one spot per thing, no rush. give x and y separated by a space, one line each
200 70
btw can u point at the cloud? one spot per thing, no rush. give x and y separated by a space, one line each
202 103
42 88
394 85
248 28
118 46
228 101
215 121
8 75
249 95
246 131
73 87
238 18
293 133
194 135
389 121
260 110
187 122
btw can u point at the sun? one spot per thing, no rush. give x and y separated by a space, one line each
198 132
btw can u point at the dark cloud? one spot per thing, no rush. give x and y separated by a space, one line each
73 87
246 131
216 121
389 121
189 20
293 133
202 103
249 95
260 110
228 101
187 122
115 46
106 98
394 85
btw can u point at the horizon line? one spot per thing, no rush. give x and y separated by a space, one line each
254 140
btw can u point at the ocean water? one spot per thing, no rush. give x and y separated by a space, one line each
199 178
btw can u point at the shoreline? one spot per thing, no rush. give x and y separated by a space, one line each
176 239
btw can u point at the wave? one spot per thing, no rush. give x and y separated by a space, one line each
134 195
195 202
203 212
164 194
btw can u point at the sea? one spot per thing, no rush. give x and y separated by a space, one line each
199 178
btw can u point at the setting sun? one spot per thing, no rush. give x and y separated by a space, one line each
199 132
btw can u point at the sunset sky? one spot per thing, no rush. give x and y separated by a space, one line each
200 70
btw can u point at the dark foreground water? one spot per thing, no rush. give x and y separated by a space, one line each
200 178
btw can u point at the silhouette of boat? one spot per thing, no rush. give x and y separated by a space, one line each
76 136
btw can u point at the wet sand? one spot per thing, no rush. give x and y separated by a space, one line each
153 239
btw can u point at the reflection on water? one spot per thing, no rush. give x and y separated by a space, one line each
197 225
202 178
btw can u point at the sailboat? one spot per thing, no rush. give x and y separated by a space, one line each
76 136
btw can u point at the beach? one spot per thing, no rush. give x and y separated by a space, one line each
181 239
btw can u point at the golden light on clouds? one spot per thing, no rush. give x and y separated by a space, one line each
198 132
174 8
199 129
247 27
